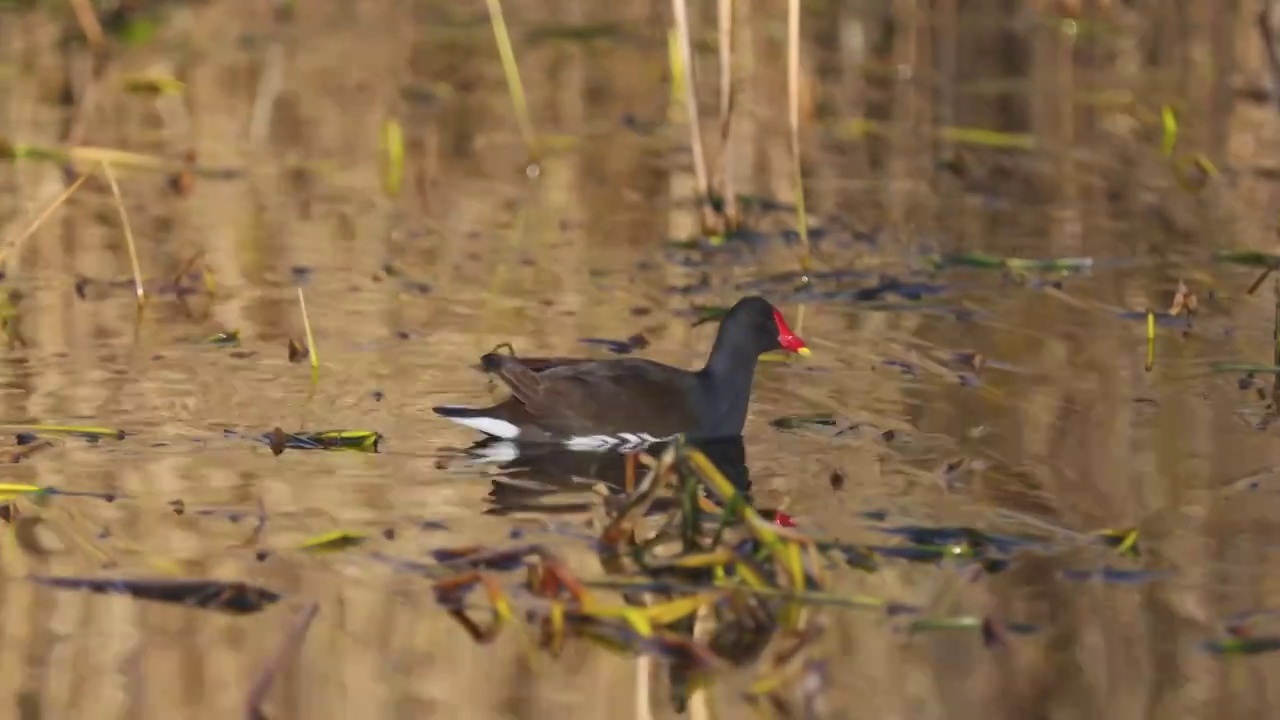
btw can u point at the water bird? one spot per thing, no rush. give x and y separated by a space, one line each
625 404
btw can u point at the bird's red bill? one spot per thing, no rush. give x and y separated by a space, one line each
787 339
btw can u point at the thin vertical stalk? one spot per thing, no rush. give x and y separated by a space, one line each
512 72
729 200
793 108
128 233
681 13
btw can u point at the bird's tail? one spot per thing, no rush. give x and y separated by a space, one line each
458 411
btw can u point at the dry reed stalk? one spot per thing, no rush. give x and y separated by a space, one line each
709 220
128 232
793 114
729 200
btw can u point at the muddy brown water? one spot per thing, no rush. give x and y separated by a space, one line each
1065 428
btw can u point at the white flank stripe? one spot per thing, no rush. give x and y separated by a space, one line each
622 442
488 426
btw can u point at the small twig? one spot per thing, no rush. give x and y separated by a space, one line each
128 232
1262 277
793 106
311 340
287 650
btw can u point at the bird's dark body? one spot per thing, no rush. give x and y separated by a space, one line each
632 400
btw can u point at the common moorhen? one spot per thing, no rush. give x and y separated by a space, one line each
628 403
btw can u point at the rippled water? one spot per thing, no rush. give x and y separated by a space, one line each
1060 428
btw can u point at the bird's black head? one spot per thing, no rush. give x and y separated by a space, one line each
754 322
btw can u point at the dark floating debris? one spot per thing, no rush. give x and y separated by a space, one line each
231 597
826 423
298 351
301 274
406 284
805 422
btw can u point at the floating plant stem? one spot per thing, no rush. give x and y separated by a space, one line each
128 232
44 215
512 72
685 53
311 340
793 114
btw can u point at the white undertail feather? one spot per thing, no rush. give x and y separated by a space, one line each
488 426
498 452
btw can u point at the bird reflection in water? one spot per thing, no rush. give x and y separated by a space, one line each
552 480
